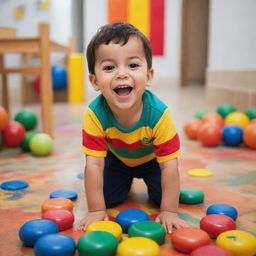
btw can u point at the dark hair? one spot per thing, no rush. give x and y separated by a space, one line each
118 33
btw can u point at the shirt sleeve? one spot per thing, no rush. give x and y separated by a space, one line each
93 139
166 142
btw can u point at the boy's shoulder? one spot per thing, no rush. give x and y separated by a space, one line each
152 101
98 103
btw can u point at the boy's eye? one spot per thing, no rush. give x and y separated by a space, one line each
133 65
108 68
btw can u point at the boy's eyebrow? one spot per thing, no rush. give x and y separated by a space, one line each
109 59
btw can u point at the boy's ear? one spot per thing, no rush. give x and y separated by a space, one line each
150 75
94 82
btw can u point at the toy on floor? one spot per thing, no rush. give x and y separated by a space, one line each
57 203
249 136
188 239
27 118
191 196
197 172
251 113
232 135
211 250
149 229
213 118
55 245
225 209
25 143
13 134
136 246
225 109
41 144
97 243
4 118
127 217
106 225
237 118
215 224
32 230
63 218
191 128
239 242
14 185
64 193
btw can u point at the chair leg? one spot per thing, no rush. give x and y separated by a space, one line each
5 93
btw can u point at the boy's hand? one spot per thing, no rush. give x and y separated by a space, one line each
92 217
170 220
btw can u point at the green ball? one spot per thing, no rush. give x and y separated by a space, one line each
27 118
251 113
148 229
25 144
97 243
191 196
200 114
225 109
41 144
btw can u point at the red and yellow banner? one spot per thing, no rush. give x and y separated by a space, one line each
146 15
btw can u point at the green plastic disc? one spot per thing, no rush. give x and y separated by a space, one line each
191 196
225 109
148 229
97 243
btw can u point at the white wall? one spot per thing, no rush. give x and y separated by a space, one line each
232 44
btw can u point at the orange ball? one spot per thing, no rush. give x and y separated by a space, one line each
57 204
249 136
213 117
209 134
4 118
191 128
253 121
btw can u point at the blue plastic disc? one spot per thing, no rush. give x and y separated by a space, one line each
62 193
14 185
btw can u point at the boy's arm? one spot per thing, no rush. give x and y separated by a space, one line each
93 182
170 196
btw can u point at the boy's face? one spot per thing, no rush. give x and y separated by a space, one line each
121 73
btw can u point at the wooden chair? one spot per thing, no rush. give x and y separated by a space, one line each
42 46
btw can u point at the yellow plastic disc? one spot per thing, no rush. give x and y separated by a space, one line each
138 246
106 225
200 173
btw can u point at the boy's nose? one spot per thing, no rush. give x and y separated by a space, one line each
121 73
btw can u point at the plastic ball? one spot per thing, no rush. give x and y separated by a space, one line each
25 144
59 78
191 128
4 118
232 135
251 112
13 134
214 118
237 118
55 245
249 136
209 135
27 118
225 109
201 114
32 230
41 144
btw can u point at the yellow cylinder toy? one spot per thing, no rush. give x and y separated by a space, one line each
75 78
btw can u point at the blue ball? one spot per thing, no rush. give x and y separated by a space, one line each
55 245
59 78
32 230
63 193
223 209
127 217
232 135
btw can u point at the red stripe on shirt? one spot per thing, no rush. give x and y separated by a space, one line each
116 143
94 142
168 147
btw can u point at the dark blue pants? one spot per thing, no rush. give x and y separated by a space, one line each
118 179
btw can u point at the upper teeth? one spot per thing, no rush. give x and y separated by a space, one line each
122 86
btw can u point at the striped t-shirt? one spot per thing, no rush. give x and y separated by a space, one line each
154 135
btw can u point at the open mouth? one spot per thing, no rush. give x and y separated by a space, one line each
123 90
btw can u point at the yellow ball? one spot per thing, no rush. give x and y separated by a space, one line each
237 118
239 242
138 246
106 225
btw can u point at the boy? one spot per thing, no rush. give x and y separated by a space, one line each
127 130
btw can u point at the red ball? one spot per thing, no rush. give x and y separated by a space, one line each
13 134
210 250
4 118
215 224
63 218
249 136
209 135
188 239
191 128
215 118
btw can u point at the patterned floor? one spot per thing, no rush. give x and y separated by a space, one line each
233 182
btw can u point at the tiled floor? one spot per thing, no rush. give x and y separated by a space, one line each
233 182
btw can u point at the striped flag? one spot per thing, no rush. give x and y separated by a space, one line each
146 15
